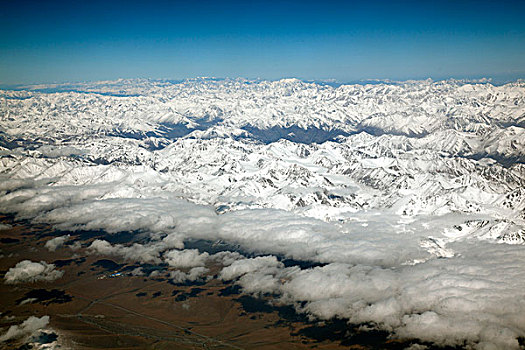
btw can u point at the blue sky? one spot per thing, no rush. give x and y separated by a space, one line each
55 41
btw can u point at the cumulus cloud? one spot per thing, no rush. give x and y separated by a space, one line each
185 258
137 272
226 258
29 271
194 274
5 227
56 242
257 275
138 252
135 252
26 328
242 267
445 301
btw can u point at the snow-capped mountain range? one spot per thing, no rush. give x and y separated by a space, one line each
409 148
410 196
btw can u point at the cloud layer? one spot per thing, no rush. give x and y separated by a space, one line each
56 242
378 273
471 297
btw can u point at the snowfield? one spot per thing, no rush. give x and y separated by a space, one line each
411 196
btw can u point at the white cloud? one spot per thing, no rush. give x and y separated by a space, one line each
135 252
56 242
26 328
5 227
29 271
194 274
137 272
185 258
138 252
154 273
445 301
256 275
226 258
242 267
129 214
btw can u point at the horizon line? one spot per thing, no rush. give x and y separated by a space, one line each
321 81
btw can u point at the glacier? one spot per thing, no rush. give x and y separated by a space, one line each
409 197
